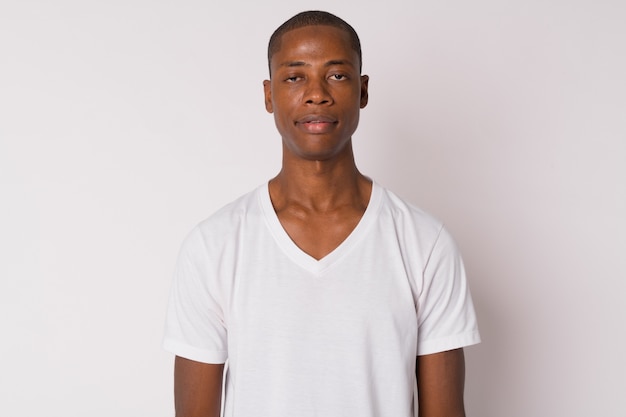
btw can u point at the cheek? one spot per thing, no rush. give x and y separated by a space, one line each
285 105
282 120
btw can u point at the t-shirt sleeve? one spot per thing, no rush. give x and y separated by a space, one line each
446 317
194 327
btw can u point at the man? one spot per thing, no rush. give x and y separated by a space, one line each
327 294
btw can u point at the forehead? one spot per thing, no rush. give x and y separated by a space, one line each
315 42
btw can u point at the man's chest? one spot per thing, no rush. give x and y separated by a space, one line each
365 293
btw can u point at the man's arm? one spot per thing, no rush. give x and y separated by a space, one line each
440 384
197 388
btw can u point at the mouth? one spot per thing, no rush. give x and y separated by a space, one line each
316 124
316 119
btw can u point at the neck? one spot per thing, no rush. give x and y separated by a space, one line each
320 185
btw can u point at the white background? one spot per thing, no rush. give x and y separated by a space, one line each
124 123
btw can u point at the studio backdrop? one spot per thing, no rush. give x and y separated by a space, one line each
125 123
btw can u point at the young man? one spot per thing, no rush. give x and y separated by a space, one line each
327 294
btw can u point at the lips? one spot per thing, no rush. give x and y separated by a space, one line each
316 123
316 119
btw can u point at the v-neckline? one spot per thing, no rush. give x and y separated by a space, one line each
300 257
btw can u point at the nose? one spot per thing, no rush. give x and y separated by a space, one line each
317 92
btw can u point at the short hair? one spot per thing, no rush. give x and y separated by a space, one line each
312 18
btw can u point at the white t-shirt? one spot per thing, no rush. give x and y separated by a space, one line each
332 337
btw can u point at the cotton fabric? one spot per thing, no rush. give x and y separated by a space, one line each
332 337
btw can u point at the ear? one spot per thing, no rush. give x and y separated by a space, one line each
364 86
267 91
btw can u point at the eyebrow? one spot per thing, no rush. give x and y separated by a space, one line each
327 64
338 62
292 64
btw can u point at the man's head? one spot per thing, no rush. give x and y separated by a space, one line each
316 89
312 18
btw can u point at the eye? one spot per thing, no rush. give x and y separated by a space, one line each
292 79
338 77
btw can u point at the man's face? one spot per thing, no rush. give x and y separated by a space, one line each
316 91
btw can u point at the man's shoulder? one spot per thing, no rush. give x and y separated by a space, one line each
417 229
231 215
402 210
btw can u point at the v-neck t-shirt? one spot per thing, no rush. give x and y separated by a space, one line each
331 337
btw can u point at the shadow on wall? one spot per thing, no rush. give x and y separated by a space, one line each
409 161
